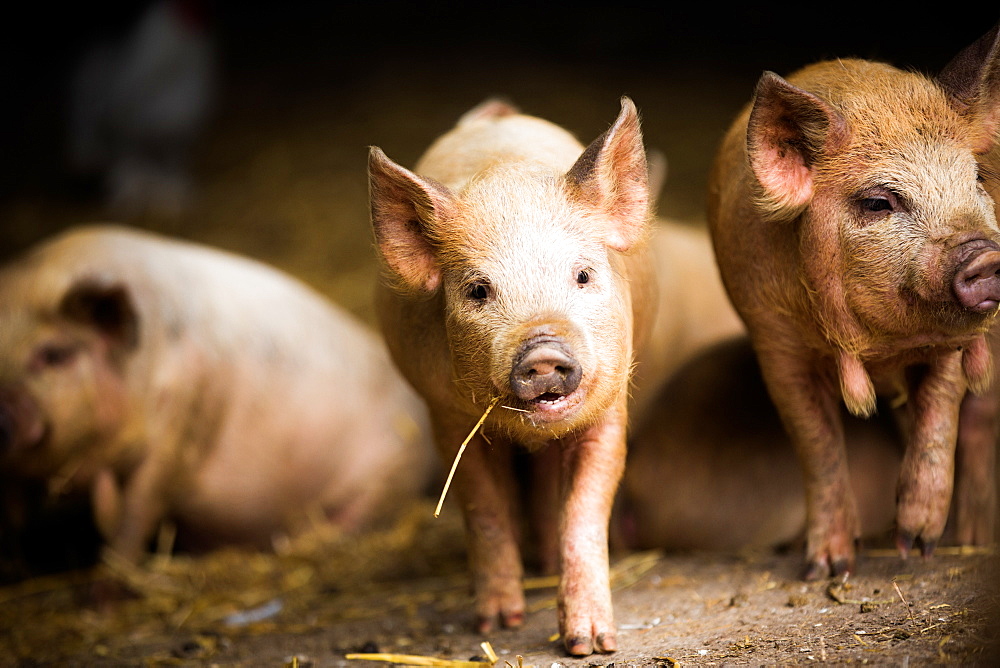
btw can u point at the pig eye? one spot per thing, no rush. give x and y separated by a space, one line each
479 291
876 204
50 356
583 277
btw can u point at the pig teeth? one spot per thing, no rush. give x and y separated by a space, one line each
551 401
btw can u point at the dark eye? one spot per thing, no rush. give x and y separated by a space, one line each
876 204
52 355
479 291
583 277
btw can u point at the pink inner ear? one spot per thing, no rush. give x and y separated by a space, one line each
784 174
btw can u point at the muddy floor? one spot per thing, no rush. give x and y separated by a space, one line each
279 175
403 592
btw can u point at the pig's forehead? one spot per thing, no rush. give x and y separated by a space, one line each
524 237
521 202
921 167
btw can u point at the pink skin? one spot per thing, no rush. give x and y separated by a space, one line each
857 242
153 374
508 254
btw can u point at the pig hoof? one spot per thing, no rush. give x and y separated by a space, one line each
508 620
904 543
927 548
578 646
605 642
815 570
512 620
841 567
484 625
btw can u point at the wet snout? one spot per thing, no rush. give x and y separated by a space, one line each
544 366
976 284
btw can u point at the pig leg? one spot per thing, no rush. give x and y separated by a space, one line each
494 558
142 506
975 501
927 473
593 463
809 405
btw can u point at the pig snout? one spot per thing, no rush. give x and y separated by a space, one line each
545 367
976 284
21 424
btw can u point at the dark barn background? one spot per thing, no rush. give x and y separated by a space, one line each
304 88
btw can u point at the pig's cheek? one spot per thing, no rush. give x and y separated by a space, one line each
472 341
78 403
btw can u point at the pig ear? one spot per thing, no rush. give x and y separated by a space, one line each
611 175
489 109
405 209
788 130
105 306
972 80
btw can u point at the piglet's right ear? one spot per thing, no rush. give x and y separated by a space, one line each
788 131
105 306
406 210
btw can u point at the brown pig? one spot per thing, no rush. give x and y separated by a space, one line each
856 239
974 508
179 382
710 467
513 258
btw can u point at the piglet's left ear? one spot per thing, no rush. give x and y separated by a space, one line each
611 175
106 306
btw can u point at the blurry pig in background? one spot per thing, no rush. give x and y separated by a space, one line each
516 276
710 466
692 310
138 106
856 239
174 381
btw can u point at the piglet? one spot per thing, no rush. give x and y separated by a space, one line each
511 256
179 382
857 241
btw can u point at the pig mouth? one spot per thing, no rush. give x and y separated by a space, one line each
549 407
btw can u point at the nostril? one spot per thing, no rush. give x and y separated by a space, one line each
544 368
976 284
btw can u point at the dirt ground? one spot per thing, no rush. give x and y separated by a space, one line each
280 176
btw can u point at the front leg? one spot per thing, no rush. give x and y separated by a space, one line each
803 390
974 506
126 514
927 473
593 463
494 558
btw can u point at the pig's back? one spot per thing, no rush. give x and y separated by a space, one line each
228 302
305 405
